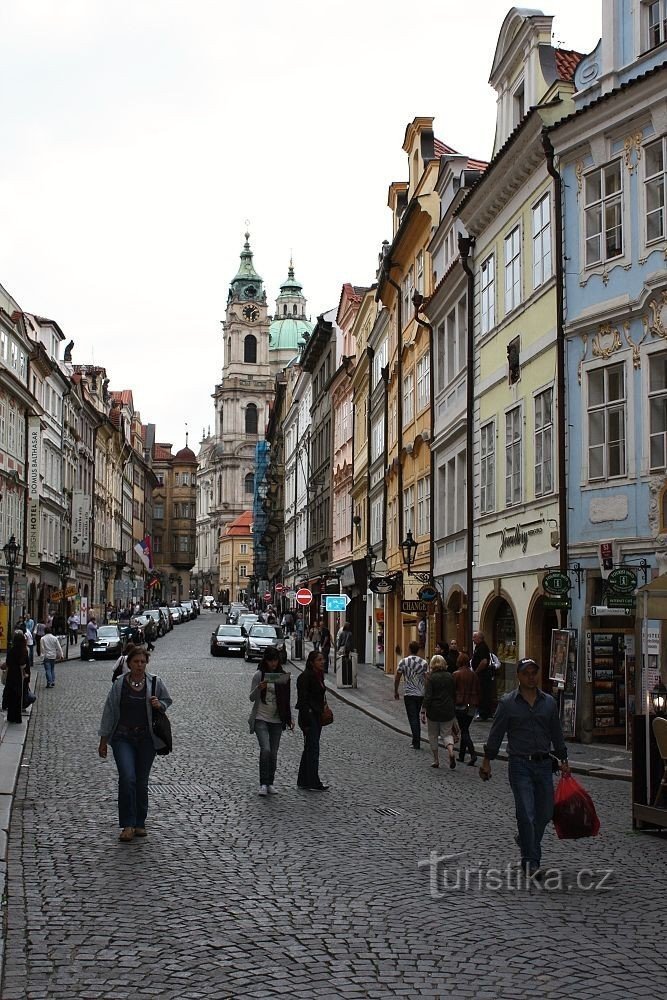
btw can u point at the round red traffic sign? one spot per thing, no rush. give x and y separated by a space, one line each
304 596
279 588
267 595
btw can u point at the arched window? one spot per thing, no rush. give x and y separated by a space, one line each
284 310
250 350
219 489
249 484
251 419
294 310
229 350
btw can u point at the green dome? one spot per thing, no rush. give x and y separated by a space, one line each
288 333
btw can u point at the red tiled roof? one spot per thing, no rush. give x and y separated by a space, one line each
241 525
442 149
567 61
162 454
477 164
124 396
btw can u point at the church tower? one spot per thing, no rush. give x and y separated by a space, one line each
290 328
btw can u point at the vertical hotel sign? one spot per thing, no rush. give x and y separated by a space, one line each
81 522
34 459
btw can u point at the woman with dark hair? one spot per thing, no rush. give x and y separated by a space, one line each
271 713
18 676
466 701
127 724
310 703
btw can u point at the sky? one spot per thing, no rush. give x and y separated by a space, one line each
138 137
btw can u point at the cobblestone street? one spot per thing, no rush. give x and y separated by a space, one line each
306 895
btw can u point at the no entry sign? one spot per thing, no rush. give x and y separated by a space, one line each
267 595
304 596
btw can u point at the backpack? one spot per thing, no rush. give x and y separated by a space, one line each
495 664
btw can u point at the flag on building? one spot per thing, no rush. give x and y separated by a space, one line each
143 550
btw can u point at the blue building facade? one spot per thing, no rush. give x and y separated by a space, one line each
612 158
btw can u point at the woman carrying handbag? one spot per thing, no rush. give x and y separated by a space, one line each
127 725
311 702
270 714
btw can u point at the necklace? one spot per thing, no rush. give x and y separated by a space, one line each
136 684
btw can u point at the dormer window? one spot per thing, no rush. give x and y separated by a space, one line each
655 23
518 104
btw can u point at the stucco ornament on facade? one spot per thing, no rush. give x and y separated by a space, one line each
656 490
656 322
630 144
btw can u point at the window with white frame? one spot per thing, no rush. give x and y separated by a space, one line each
542 241
488 296
424 505
408 288
423 381
657 402
607 418
603 214
3 423
408 398
513 427
419 268
487 462
455 341
3 345
513 269
655 23
379 362
655 182
243 570
14 352
376 521
11 431
377 439
544 476
345 420
409 509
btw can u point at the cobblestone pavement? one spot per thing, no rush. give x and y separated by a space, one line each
305 894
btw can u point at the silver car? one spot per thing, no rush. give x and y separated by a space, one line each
259 637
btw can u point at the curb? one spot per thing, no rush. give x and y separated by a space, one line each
592 770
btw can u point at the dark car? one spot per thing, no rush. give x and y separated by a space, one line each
109 643
227 639
164 610
259 637
156 615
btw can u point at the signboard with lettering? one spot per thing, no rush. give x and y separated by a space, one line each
556 583
622 580
415 607
32 511
517 537
81 509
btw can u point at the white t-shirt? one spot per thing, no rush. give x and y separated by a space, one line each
268 711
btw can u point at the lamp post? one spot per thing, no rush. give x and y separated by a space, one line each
371 560
11 550
179 581
133 576
64 568
106 576
659 699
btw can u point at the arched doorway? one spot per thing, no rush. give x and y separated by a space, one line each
540 622
456 618
501 634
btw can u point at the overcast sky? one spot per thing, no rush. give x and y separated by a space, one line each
137 136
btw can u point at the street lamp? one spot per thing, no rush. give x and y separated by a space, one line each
64 568
11 550
659 699
409 549
371 560
179 581
106 576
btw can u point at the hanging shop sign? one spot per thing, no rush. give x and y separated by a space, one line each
413 606
428 593
382 584
556 583
622 580
557 603
81 512
32 512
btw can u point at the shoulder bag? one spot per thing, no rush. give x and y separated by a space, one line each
327 716
161 727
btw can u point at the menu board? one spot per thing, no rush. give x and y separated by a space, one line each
608 676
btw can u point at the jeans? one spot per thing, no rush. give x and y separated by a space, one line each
464 719
310 758
532 783
73 637
134 757
268 736
413 704
50 671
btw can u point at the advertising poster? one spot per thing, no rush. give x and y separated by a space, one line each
80 522
560 644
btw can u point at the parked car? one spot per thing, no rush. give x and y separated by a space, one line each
259 637
123 626
235 610
227 639
176 615
109 643
208 602
164 611
190 608
246 620
156 615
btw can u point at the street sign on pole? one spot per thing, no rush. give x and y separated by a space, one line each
304 596
267 595
279 588
336 602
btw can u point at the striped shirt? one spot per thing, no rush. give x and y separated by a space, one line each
414 670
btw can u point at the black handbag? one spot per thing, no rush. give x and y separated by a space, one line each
161 727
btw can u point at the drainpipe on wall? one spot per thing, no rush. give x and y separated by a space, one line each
418 300
560 360
466 244
399 401
370 355
385 381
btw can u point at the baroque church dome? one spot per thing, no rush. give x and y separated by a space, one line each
290 327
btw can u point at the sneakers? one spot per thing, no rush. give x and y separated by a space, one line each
272 789
263 790
126 834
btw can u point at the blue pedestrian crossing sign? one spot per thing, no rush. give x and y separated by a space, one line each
336 602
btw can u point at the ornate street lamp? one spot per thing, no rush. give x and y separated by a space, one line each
371 560
64 569
11 550
409 549
659 699
106 576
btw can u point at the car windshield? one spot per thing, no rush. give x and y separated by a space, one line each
264 632
107 632
229 630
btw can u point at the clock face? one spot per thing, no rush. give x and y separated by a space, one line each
251 313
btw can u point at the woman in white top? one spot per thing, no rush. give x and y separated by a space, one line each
271 713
